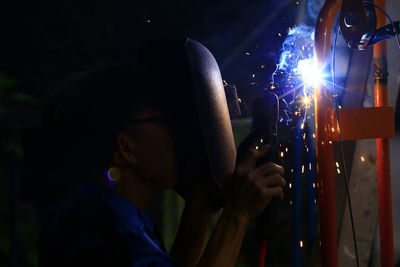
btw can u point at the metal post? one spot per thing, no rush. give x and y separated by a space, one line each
324 123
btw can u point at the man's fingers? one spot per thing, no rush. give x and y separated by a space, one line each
253 155
269 168
275 192
273 180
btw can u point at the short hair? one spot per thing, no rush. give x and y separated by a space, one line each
86 111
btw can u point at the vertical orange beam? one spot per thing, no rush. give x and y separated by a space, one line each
324 122
382 150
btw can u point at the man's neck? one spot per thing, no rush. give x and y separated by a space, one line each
134 191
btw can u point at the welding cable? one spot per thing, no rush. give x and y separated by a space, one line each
388 17
346 178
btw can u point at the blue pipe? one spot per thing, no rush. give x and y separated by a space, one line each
297 194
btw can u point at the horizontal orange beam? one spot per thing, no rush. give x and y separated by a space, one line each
365 123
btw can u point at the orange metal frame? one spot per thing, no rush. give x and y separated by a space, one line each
361 123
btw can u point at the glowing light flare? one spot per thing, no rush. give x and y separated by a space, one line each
310 73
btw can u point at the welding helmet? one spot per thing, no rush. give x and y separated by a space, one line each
197 103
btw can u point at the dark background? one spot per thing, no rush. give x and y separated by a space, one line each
46 40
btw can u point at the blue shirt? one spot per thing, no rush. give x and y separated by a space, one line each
94 226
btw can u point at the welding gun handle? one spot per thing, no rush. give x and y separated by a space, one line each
273 221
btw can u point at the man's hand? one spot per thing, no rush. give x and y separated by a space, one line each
253 188
248 193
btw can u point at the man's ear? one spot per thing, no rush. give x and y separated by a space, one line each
126 152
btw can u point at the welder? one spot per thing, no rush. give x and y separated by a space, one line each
120 132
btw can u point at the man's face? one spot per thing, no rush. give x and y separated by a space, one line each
155 151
